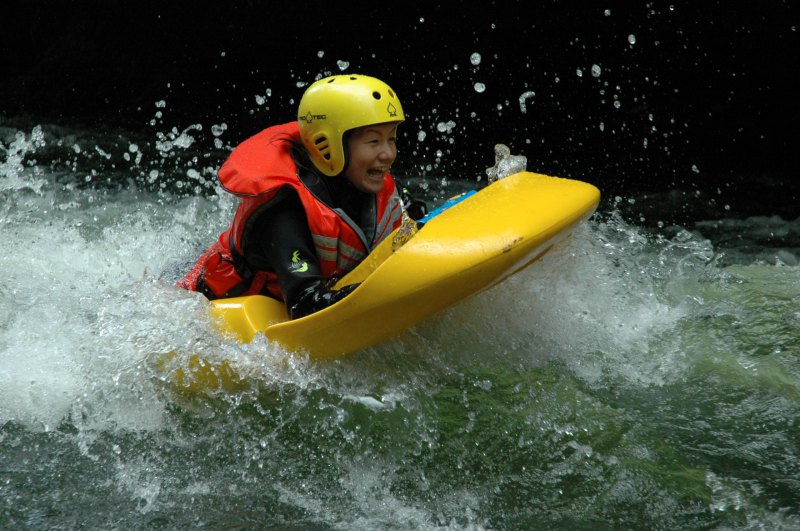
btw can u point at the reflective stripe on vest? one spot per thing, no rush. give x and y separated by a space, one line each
334 250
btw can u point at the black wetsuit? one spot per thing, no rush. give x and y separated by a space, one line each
280 238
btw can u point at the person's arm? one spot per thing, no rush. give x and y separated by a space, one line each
281 240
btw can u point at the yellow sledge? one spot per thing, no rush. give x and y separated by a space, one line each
423 268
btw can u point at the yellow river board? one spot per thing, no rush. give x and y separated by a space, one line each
473 245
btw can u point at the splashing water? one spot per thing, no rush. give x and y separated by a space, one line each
505 163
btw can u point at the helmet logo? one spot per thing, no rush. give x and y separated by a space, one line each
309 118
391 109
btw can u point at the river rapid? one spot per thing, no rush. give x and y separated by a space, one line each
638 376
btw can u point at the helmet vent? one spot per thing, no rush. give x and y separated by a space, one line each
323 147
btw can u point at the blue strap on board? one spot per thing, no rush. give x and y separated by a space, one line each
447 204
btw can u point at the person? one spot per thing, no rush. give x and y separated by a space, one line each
316 197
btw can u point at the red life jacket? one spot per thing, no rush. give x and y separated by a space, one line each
255 172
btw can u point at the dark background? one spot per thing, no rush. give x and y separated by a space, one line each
707 92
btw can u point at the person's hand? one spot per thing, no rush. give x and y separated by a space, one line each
318 297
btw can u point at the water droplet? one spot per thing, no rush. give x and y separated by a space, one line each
480 87
445 127
596 71
632 38
475 59
217 130
343 65
524 96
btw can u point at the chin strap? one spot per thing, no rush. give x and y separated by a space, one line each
318 296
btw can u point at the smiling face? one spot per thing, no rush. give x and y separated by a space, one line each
372 149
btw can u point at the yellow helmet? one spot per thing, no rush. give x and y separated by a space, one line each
336 104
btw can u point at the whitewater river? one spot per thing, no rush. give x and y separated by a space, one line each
636 377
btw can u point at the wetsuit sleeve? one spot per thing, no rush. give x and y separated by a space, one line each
281 241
